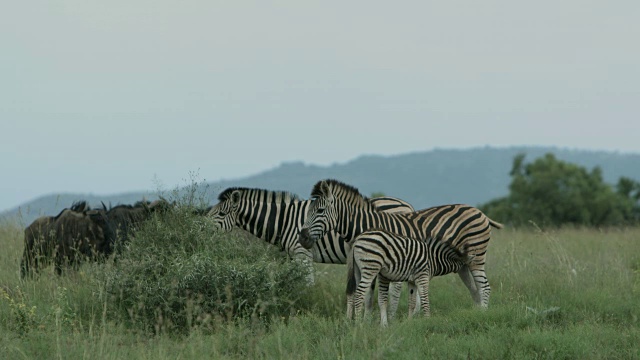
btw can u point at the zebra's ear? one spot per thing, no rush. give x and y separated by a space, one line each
326 190
235 197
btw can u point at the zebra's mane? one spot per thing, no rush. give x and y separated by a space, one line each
344 191
276 195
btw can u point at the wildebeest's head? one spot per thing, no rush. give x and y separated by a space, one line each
128 218
160 206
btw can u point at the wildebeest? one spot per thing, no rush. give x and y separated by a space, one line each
74 234
127 218
83 235
38 244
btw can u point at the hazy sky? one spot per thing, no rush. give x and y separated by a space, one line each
105 96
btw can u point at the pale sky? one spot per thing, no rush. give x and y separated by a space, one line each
114 96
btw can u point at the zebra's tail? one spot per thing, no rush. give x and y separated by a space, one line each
495 224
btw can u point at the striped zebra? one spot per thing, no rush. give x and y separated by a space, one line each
341 208
392 257
276 216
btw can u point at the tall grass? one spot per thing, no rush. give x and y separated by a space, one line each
560 294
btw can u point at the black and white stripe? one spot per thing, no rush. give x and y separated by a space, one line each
276 216
341 208
392 257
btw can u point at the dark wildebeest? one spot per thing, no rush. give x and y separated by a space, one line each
38 244
75 233
127 218
83 235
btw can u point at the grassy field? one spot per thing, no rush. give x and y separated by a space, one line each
561 294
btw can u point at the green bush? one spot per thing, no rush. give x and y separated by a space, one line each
551 192
178 274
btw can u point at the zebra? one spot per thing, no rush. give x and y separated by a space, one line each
341 208
275 217
393 257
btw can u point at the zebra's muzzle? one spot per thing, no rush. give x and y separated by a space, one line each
305 239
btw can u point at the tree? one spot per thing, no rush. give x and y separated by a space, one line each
552 192
630 189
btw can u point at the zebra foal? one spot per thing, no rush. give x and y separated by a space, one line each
392 257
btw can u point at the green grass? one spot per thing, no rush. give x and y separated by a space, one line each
587 280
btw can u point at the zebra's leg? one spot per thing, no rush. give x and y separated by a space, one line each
418 303
414 299
469 281
394 298
350 306
383 299
422 281
411 286
482 284
305 257
358 299
353 279
308 263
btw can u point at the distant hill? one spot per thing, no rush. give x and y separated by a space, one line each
440 176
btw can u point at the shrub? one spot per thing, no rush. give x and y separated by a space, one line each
551 192
177 273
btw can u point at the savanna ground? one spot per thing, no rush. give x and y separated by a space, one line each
556 294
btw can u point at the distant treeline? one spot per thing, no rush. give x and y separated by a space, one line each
479 177
551 192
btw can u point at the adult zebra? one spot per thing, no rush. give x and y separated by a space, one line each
341 208
392 257
276 216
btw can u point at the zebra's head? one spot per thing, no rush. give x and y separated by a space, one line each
322 216
225 212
